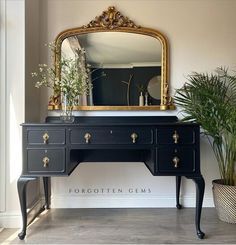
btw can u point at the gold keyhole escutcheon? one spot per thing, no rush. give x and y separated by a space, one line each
176 161
175 137
45 162
87 137
134 137
45 138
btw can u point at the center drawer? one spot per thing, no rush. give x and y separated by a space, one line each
113 136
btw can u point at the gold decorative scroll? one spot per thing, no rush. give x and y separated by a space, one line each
111 19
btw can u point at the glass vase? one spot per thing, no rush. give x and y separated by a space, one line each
67 109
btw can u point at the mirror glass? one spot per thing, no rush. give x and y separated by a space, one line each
120 58
122 67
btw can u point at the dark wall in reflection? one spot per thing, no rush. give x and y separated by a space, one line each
110 90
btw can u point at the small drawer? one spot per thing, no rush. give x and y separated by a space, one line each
46 160
112 136
175 135
171 159
46 136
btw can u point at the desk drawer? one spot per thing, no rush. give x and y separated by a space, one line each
45 160
175 135
46 136
172 159
111 136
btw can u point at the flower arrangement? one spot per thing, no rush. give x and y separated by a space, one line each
73 80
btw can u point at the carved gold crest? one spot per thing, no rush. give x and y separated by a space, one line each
111 19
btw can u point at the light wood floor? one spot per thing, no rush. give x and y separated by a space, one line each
123 226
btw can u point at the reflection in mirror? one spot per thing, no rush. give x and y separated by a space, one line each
128 60
154 87
121 57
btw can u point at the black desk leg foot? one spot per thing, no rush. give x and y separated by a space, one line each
200 188
21 187
21 235
46 192
178 183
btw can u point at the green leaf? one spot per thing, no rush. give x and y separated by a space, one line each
210 100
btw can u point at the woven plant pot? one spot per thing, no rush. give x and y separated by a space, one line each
225 201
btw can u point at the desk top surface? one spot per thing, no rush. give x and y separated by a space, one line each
112 120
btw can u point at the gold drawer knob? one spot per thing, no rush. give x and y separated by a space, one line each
176 161
45 162
134 137
45 138
175 137
87 137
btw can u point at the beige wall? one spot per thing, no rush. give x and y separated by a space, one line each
201 35
3 104
19 100
32 54
13 83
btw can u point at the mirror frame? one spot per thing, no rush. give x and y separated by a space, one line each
112 20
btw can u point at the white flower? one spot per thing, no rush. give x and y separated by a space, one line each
74 77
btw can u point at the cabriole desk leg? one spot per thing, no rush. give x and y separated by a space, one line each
46 183
178 183
22 188
200 188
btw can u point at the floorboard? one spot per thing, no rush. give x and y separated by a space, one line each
123 226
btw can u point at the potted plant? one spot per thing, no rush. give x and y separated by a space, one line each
210 100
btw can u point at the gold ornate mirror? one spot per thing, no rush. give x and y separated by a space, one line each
122 59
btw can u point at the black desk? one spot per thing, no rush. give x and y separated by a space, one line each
166 146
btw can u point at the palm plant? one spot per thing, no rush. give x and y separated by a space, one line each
210 100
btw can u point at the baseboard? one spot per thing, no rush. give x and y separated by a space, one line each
10 220
35 210
14 219
65 201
